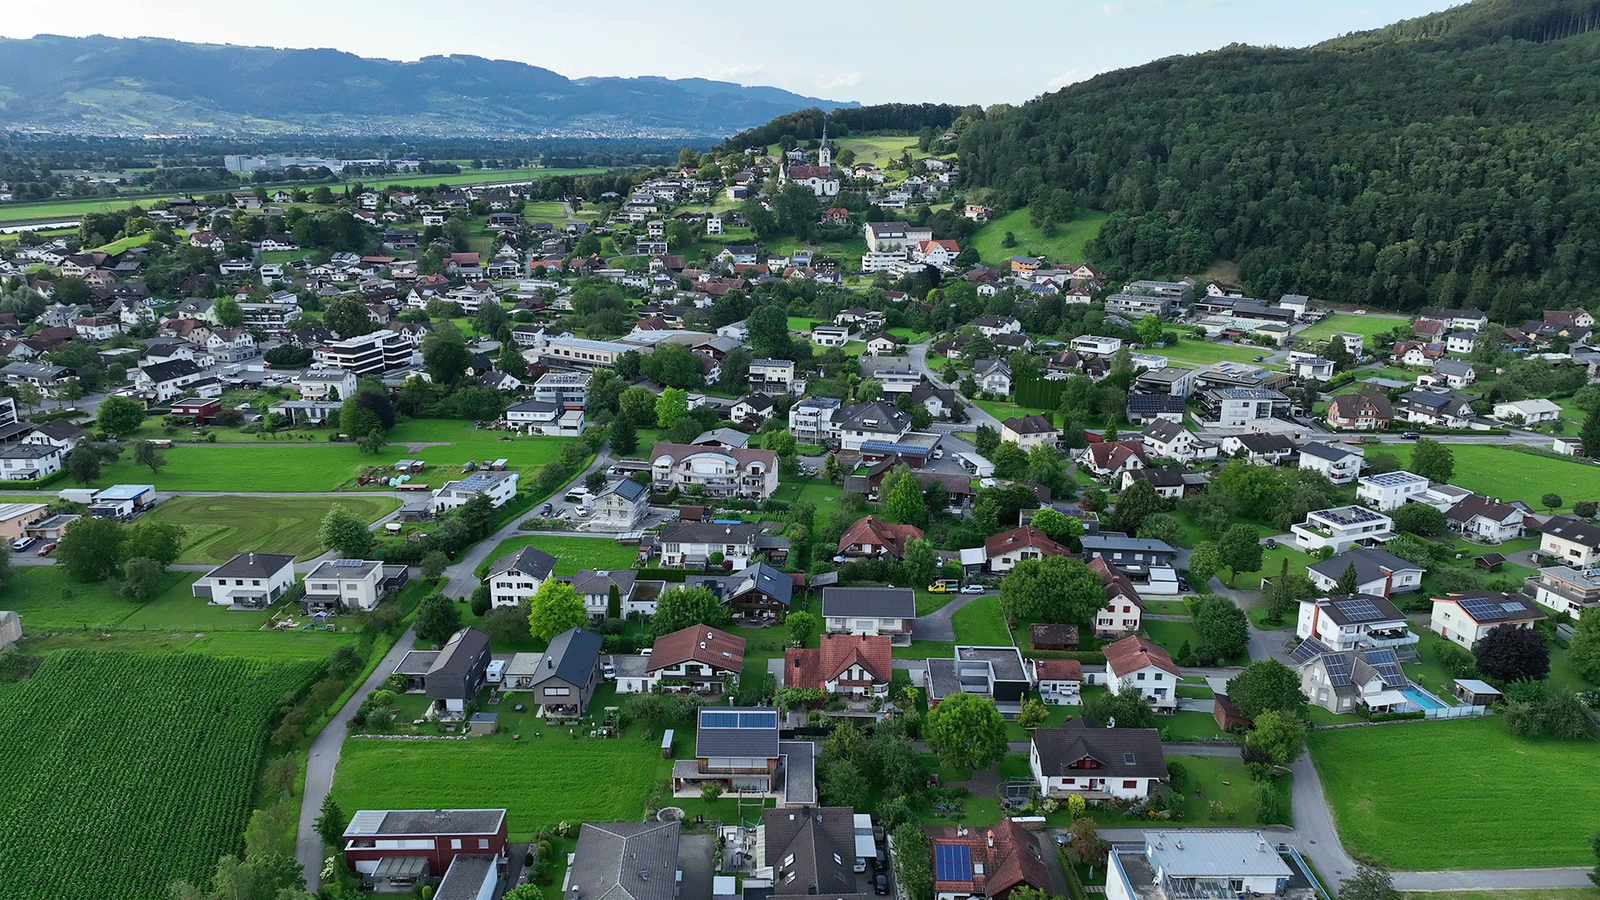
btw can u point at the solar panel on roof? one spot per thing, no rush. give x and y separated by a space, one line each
1387 666
758 720
952 862
1338 667
719 719
1309 649
1480 608
1359 610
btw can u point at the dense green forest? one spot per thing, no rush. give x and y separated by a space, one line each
806 124
1443 161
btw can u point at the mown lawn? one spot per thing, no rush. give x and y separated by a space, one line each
1065 246
1455 782
877 149
1204 353
980 624
571 553
273 646
540 781
217 528
1366 326
1496 471
221 467
46 599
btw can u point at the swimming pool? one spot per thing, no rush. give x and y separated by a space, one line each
1422 699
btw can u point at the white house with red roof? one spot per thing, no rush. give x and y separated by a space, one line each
858 665
1135 664
1108 458
1003 551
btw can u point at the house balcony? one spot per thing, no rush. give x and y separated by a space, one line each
1389 637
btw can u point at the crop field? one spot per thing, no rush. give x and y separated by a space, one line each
1449 781
217 528
1496 471
1065 246
540 781
572 553
132 771
218 467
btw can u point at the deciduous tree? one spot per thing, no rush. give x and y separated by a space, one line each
1281 736
682 607
920 562
1433 461
966 731
1137 502
84 464
1267 684
1127 709
904 502
1240 548
141 578
1056 589
555 607
119 416
437 618
1205 561
343 530
1510 653
90 548
803 628
1223 628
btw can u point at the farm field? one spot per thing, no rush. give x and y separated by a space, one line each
1495 471
877 149
1066 246
268 646
220 527
1366 326
216 467
156 775
540 781
1448 780
572 553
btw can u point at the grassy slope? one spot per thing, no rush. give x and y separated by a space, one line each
1456 782
1066 246
219 527
1363 325
1495 471
573 553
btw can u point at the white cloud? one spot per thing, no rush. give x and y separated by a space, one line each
735 71
851 80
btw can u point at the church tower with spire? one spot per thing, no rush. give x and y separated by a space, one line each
824 152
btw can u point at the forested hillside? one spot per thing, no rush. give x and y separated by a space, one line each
1402 173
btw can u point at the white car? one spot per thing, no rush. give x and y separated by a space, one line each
582 511
972 589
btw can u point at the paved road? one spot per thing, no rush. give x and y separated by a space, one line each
939 624
918 356
324 757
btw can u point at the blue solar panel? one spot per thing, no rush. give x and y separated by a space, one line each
1387 666
710 719
1309 649
1338 666
952 862
758 720
1358 610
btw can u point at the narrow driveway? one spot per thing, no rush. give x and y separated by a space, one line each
323 758
939 625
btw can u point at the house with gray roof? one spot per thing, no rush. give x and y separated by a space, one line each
516 576
395 849
248 581
621 506
758 591
1378 572
624 861
736 747
451 676
565 675
690 544
1096 763
811 850
1339 680
996 673
869 610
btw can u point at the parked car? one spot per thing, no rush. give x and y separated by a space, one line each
1410 436
1272 544
1183 583
944 586
23 543
880 863
582 511
972 589
609 672
47 549
880 883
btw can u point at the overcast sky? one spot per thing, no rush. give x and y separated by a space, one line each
875 52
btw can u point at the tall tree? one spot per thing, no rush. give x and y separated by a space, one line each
1433 461
671 407
90 548
1055 589
966 732
119 416
682 607
921 562
343 530
332 822
1348 579
437 618
1240 547
1205 561
554 608
624 436
904 504
146 453
1137 502
347 317
84 464
1280 736
1509 653
1223 628
1267 684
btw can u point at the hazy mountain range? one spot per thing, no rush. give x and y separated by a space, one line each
102 85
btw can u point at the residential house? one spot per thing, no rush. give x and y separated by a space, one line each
1029 431
995 861
872 538
811 419
1339 464
248 581
752 408
810 850
1148 561
876 423
690 544
622 505
1238 407
30 461
1124 609
327 384
699 657
869 610
625 861
228 345
1177 381
497 486
350 584
1565 589
1002 552
1572 541
515 576
568 389
97 328
1466 618
992 376
1176 866
1111 458
719 472
1166 439
830 335
1353 621
1450 373
1076 759
1341 528
736 748
757 592
1377 573
62 433
564 677
1143 409
163 381
882 236
771 376
855 665
545 417
396 850
1534 411
1134 663
997 674
1307 365
1438 410
1265 448
1339 681
16 518
1486 520
1059 681
1389 490
1360 411
1093 344
456 672
1168 482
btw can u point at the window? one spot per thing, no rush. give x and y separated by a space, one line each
557 692
1141 676
455 843
1130 784
483 843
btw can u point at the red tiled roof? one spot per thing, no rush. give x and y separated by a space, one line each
873 530
1058 669
698 643
1026 536
1134 653
814 667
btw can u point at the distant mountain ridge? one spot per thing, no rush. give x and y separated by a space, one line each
101 85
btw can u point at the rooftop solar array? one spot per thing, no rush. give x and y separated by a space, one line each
1358 610
736 719
1350 515
952 862
1387 665
1390 479
1338 666
1309 649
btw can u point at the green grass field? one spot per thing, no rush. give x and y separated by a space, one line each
220 527
1531 894
877 149
272 646
219 467
47 599
980 624
540 781
1456 781
1495 471
1066 246
1367 326
1204 353
138 240
571 553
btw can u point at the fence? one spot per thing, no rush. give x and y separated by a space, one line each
1305 867
1456 712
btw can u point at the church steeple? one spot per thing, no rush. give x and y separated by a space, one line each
824 152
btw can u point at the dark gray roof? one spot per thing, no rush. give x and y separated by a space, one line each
1163 477
251 565
169 370
1358 609
1266 443
760 577
627 489
883 603
625 861
1574 529
599 581
1489 607
1369 562
811 850
527 561
743 731
1122 752
461 652
572 656
465 877
799 772
1113 541
709 533
368 822
344 568
1325 451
